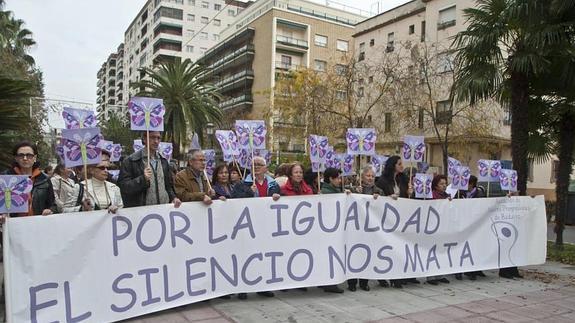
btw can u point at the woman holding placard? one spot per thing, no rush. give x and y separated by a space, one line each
439 188
394 183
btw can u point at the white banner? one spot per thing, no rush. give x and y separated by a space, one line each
99 268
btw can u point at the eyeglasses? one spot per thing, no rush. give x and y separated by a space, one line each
259 165
102 167
22 156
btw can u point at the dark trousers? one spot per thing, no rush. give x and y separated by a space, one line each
353 282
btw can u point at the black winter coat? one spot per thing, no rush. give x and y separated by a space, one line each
133 184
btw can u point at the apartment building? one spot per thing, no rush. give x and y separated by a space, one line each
269 38
164 30
425 28
107 76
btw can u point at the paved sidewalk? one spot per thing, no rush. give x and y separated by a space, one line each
546 294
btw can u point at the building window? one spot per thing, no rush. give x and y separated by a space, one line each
342 45
216 37
390 43
204 35
372 42
231 12
360 91
189 49
205 4
422 31
320 66
370 80
217 7
203 50
192 2
387 122
320 40
191 17
443 112
340 69
286 61
446 17
506 115
554 170
411 29
420 118
205 20
217 22
190 33
361 52
341 95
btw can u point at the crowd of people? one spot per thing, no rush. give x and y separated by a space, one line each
152 180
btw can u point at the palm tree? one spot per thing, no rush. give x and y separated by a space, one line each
14 38
15 117
504 47
191 102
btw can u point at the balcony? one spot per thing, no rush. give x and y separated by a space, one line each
167 45
111 92
241 101
287 66
235 58
243 78
292 42
168 29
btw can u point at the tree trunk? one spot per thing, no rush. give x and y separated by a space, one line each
566 148
519 130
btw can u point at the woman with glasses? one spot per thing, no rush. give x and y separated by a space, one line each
101 193
41 200
69 194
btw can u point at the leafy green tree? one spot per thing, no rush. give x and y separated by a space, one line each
191 102
119 132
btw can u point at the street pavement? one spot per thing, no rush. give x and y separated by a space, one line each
546 294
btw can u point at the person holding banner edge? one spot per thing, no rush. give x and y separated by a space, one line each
143 183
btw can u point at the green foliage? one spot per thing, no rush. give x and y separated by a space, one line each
119 132
191 101
564 253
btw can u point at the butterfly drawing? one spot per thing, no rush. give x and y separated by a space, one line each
79 118
489 170
360 141
138 145
166 149
229 142
116 152
81 146
14 193
451 163
265 154
317 166
318 146
378 162
245 158
413 148
251 134
210 161
508 180
106 145
347 164
422 186
146 113
460 179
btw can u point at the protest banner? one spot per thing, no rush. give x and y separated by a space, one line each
97 267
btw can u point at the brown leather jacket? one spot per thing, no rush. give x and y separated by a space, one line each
188 188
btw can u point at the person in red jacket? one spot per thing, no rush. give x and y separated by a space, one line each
295 184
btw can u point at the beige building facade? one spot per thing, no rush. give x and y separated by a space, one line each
421 32
270 38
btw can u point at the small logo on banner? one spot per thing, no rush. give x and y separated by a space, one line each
506 234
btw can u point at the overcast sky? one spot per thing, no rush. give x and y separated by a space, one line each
74 38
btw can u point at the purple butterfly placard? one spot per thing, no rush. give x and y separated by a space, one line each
116 153
146 114
210 161
451 163
422 167
82 146
318 146
14 193
318 166
329 155
166 149
106 145
508 180
115 173
460 180
413 148
378 163
245 158
489 170
251 134
347 164
361 141
265 154
138 145
79 118
422 186
229 143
